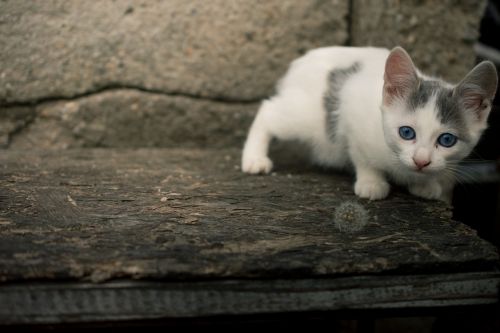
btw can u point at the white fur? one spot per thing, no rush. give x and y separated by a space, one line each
365 127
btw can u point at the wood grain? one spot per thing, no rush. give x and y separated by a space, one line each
191 214
114 301
181 217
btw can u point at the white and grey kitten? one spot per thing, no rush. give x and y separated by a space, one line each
370 109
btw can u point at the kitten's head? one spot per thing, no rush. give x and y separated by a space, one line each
430 124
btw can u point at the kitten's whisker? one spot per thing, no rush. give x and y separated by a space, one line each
463 174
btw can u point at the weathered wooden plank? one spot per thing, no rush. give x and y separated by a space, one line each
98 215
113 301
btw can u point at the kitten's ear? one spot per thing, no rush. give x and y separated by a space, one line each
477 89
400 76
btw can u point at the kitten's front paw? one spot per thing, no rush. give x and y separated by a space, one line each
256 165
428 191
371 189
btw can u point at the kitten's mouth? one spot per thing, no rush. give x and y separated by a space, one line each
423 171
418 171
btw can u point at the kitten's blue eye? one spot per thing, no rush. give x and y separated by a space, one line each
407 133
447 140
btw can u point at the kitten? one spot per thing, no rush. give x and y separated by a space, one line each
371 110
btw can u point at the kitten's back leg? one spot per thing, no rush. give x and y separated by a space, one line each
255 159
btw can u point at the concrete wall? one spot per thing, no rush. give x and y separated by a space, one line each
190 72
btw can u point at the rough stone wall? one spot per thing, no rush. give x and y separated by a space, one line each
189 72
439 35
132 118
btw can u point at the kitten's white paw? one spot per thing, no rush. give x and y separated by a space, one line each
371 189
256 165
428 190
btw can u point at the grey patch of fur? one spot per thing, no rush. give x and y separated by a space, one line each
331 100
448 106
451 113
421 95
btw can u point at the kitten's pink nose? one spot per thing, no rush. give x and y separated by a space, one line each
421 163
